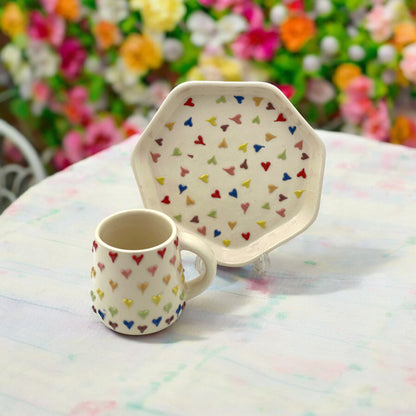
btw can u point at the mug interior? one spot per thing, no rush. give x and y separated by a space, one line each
135 230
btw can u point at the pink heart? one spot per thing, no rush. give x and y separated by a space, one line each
229 170
152 269
245 207
172 260
236 118
126 273
202 230
155 156
184 171
281 212
101 266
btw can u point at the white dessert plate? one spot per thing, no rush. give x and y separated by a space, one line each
234 163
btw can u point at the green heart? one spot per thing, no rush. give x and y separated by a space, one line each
182 296
168 307
266 206
113 311
93 297
178 217
256 120
143 314
221 99
176 151
282 155
213 214
212 160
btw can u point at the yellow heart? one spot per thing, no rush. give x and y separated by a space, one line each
189 200
161 180
204 178
262 224
175 289
232 224
269 137
223 144
246 183
183 278
93 272
156 299
226 242
272 188
299 193
166 279
113 284
212 120
100 293
142 286
170 125
257 100
243 147
128 302
179 267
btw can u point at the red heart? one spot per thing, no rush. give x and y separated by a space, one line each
269 106
281 212
126 273
302 173
169 320
94 309
224 127
101 266
304 156
282 197
230 170
265 165
166 200
159 141
202 230
195 219
161 252
244 164
113 325
199 141
216 194
113 256
176 242
142 328
280 117
138 259
155 156
189 103
245 207
246 236
94 245
299 145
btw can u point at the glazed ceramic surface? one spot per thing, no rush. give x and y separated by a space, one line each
234 163
138 291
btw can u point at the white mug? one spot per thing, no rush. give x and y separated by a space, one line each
137 275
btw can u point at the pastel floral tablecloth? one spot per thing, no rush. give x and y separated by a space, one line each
330 329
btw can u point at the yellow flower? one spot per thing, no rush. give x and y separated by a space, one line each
13 21
160 15
344 74
404 33
141 53
68 9
106 34
400 130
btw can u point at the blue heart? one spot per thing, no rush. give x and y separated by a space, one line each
258 147
128 324
239 98
286 177
102 314
157 321
233 193
178 309
182 188
217 233
292 129
189 122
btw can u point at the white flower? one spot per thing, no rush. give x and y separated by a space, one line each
11 56
323 7
329 45
278 14
386 53
206 32
356 52
319 91
112 10
42 59
311 63
172 49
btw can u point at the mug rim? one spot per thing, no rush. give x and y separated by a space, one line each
166 217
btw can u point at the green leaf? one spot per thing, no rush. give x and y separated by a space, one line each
20 108
97 87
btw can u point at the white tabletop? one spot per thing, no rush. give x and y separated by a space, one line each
330 329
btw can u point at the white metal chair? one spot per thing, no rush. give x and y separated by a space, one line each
15 178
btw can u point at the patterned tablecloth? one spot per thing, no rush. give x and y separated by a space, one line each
330 329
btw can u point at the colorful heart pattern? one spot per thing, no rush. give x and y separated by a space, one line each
206 192
160 290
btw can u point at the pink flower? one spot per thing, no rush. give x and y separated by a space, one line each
377 123
257 43
379 23
287 90
252 12
75 108
408 63
49 5
49 28
355 110
72 57
319 91
360 87
41 92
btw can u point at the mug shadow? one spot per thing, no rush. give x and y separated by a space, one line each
337 268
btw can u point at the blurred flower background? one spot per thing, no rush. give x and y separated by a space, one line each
77 76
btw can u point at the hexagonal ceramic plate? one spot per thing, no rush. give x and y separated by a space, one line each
233 163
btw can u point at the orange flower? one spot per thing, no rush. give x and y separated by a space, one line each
400 131
296 31
140 53
13 21
106 33
404 33
344 74
68 9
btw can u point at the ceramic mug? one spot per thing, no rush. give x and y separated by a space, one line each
137 275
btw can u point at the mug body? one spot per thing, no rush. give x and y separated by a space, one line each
138 285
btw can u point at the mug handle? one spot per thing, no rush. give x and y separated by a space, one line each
195 245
